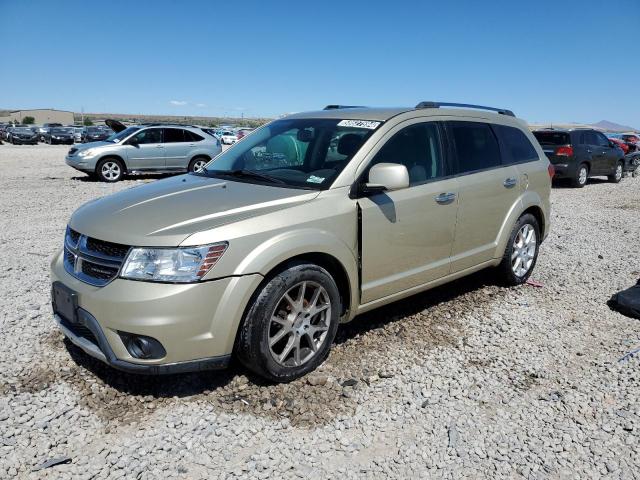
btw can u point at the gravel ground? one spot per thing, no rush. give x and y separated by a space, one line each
466 380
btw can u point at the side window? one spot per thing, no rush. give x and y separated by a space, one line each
516 147
150 135
602 140
590 138
476 146
418 148
173 135
189 136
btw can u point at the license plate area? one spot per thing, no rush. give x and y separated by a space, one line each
64 302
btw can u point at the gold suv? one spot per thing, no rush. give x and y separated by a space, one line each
305 223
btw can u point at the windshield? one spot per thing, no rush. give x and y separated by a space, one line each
300 153
60 130
117 137
22 130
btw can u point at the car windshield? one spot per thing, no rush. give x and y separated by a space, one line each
22 130
60 130
299 153
118 137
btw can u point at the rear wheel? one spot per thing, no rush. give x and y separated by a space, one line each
521 253
618 174
110 170
198 164
581 177
290 325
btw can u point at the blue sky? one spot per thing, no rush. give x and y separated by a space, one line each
547 60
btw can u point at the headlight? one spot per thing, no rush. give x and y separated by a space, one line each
86 153
181 265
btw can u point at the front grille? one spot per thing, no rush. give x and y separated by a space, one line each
90 260
115 250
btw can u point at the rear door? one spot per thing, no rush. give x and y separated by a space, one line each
407 234
175 148
595 151
146 152
488 192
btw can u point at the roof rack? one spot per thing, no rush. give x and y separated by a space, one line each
340 107
502 111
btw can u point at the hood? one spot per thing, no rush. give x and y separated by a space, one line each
166 212
115 125
88 145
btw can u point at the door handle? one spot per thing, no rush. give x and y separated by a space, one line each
445 198
510 182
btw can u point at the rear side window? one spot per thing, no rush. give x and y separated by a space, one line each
516 147
552 138
476 146
173 135
189 136
602 140
590 138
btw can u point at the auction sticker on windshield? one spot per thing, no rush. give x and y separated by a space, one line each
359 124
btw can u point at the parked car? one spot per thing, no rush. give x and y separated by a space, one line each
624 146
77 134
580 153
228 138
153 148
270 246
630 138
57 135
243 132
22 136
94 134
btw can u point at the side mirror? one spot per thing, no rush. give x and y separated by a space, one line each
386 177
133 142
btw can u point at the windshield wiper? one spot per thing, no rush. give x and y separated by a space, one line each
248 174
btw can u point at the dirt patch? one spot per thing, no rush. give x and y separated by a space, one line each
628 206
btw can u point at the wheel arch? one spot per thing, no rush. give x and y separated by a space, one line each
112 155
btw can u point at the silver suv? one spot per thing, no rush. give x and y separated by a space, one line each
307 222
145 149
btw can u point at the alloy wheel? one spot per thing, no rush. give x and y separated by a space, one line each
111 171
198 165
619 172
299 324
582 176
524 250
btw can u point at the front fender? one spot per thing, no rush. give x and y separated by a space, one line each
284 246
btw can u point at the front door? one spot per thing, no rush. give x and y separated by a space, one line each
407 234
146 152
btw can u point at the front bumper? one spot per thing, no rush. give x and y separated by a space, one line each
195 323
83 164
63 141
24 141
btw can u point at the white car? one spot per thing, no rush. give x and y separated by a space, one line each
228 138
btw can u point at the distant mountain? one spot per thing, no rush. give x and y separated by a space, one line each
614 127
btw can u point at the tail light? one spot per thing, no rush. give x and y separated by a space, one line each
566 151
552 170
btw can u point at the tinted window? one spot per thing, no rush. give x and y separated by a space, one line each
602 140
189 136
476 146
173 135
418 148
515 145
552 138
150 135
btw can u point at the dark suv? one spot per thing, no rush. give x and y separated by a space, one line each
578 154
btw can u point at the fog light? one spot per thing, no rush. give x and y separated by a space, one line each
141 346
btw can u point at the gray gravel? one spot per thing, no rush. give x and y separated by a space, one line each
467 380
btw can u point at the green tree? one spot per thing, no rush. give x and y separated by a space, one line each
87 122
28 120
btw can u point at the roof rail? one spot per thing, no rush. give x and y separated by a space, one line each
502 111
340 107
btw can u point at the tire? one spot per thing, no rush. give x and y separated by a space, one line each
510 271
580 178
110 170
618 174
197 163
280 350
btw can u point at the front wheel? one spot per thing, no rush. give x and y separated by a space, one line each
617 175
110 170
521 253
291 323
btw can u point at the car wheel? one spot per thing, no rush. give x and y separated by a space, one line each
110 170
290 324
581 177
197 164
618 174
521 253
